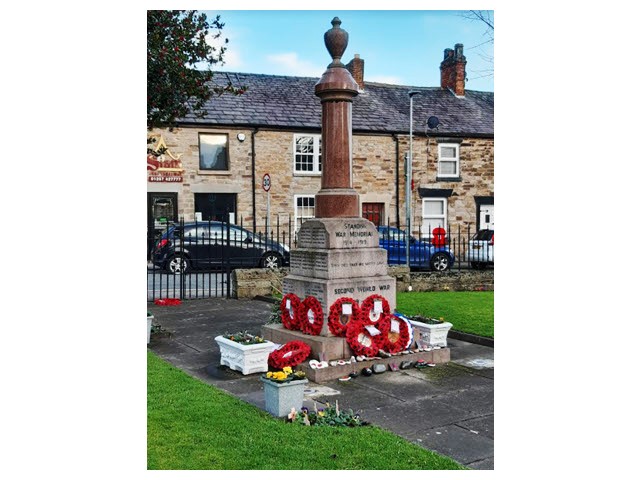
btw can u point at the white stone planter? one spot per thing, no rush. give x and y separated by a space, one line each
281 397
149 323
434 335
244 358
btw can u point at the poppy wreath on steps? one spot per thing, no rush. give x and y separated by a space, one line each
366 309
336 326
361 341
410 330
289 315
290 354
395 342
310 316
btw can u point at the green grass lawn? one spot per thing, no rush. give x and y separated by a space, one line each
191 425
469 312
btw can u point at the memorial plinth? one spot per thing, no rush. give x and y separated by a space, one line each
339 258
338 253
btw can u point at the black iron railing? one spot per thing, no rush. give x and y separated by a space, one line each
195 259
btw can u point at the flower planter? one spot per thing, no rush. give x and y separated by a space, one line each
281 397
244 358
149 322
435 335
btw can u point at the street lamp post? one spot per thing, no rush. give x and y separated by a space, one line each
409 173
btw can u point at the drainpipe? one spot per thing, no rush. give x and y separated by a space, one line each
397 140
253 175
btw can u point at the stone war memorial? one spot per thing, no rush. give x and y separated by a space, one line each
338 298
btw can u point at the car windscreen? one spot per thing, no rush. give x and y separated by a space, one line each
484 235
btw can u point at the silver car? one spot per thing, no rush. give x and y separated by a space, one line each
480 253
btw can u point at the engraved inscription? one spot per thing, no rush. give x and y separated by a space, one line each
312 237
354 235
370 263
309 262
361 289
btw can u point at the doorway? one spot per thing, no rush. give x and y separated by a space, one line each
162 212
374 212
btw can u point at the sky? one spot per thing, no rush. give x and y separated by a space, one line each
403 47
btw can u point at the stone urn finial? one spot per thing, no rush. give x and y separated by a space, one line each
336 40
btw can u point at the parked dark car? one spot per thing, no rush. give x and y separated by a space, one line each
422 254
205 245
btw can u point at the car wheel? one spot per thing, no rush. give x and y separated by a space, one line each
440 262
271 260
177 265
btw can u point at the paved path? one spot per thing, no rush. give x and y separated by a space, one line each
447 409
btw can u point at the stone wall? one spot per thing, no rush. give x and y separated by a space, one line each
253 282
249 283
453 280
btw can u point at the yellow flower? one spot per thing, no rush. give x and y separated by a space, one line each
269 374
287 370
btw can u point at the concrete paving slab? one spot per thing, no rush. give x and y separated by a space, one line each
483 425
405 417
453 440
411 403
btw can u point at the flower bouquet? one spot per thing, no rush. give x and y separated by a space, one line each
285 375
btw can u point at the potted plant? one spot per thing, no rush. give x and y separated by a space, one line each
283 391
433 332
244 352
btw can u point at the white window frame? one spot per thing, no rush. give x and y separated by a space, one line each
298 217
455 160
317 154
428 220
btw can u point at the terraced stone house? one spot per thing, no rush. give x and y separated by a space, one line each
217 163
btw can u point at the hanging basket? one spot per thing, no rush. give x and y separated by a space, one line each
310 316
336 316
288 314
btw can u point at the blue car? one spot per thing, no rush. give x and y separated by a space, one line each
421 254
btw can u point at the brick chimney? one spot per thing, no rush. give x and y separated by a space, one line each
356 68
452 70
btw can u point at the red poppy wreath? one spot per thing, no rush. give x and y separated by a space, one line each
310 316
396 333
367 313
336 314
361 341
290 354
288 314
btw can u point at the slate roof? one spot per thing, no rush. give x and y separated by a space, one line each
289 102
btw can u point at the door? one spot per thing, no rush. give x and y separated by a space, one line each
486 217
374 212
162 211
214 206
